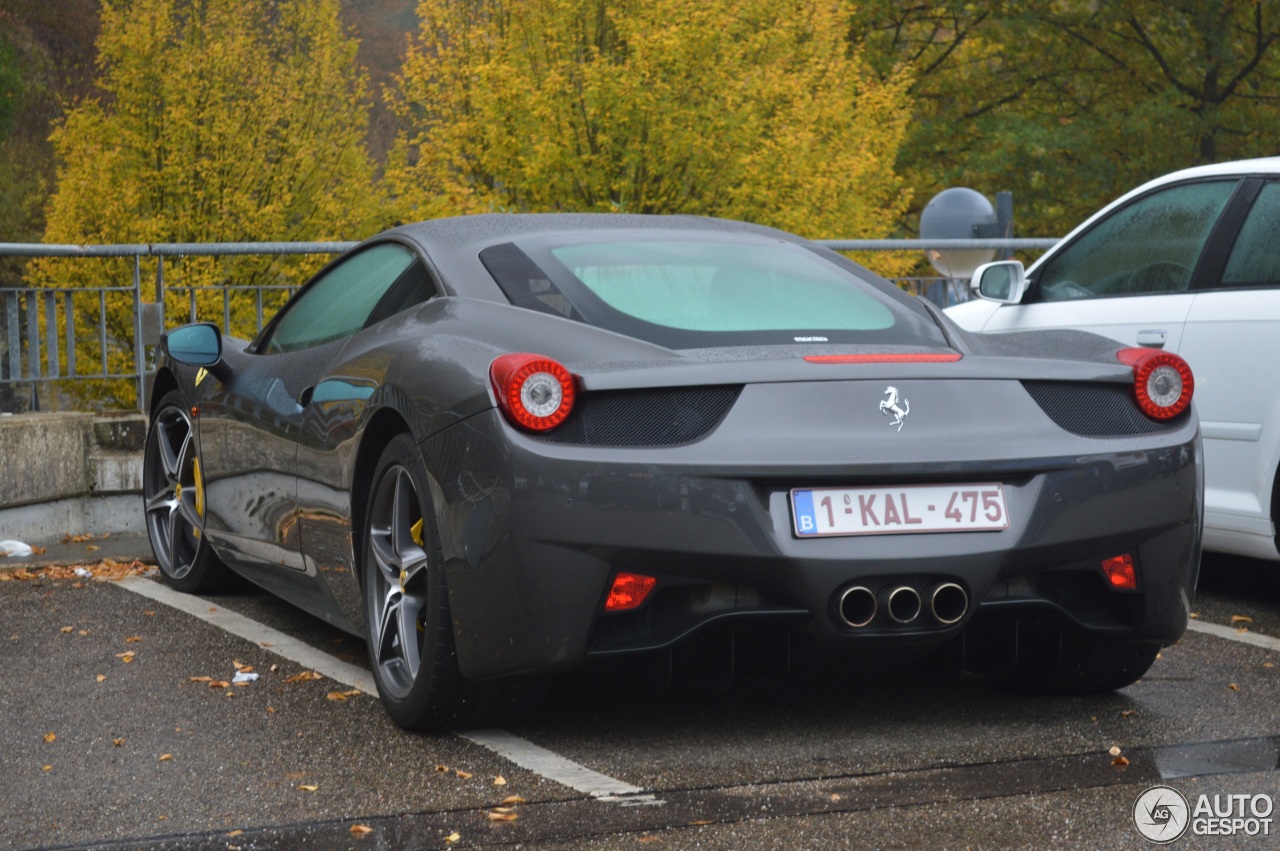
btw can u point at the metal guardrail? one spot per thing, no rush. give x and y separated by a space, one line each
49 336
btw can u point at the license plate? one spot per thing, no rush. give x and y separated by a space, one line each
908 509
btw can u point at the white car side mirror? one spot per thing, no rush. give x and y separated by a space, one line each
1004 281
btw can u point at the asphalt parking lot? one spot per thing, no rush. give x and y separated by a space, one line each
122 727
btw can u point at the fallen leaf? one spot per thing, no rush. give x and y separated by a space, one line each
126 657
218 684
271 709
200 679
352 692
46 768
499 781
303 677
309 788
1235 619
1194 615
68 628
101 677
1268 664
453 837
1233 687
149 613
646 838
1115 750
512 799
92 548
1125 713
442 768
165 757
133 639
335 695
49 737
117 742
240 666
1120 761
494 816
360 830
504 809
273 668
702 821
835 796
235 833
465 775
83 632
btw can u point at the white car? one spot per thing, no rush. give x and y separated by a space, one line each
1190 263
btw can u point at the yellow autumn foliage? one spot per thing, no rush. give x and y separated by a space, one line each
218 120
749 109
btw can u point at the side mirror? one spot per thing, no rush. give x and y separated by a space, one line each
195 345
1004 281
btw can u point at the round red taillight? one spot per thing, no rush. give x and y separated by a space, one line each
534 392
1162 381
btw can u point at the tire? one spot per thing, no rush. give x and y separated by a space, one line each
407 620
1071 663
173 502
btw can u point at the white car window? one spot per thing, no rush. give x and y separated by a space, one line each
1150 246
1254 260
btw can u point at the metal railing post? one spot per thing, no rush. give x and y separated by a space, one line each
139 351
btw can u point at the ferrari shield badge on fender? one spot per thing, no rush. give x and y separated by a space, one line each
889 405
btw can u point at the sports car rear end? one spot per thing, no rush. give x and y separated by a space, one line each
1008 500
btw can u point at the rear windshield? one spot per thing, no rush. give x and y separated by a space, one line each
700 292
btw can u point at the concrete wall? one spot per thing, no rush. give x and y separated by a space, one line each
69 474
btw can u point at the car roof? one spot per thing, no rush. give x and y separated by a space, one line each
1235 168
453 244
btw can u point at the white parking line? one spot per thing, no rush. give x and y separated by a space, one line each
523 753
250 630
1234 634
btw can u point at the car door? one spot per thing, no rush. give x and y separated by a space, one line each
250 422
1232 340
1132 276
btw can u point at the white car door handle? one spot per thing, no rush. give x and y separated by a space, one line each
1154 339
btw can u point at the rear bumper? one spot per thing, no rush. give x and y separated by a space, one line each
534 532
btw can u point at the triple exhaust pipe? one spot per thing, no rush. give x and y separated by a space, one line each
858 604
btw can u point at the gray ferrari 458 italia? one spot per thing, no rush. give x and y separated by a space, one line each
503 446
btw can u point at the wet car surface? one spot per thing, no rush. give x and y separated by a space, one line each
834 760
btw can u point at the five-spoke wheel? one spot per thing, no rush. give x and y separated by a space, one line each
410 634
172 492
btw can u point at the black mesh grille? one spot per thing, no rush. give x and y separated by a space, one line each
652 417
1096 409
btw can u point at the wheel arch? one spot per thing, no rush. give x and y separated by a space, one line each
383 426
165 382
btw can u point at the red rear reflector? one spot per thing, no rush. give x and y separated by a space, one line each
628 591
1162 381
1120 572
909 357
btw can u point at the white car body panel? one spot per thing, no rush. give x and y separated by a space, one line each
1230 338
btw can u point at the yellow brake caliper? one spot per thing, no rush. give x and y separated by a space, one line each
199 483
415 532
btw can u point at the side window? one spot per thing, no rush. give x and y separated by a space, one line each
1150 246
339 302
1254 261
